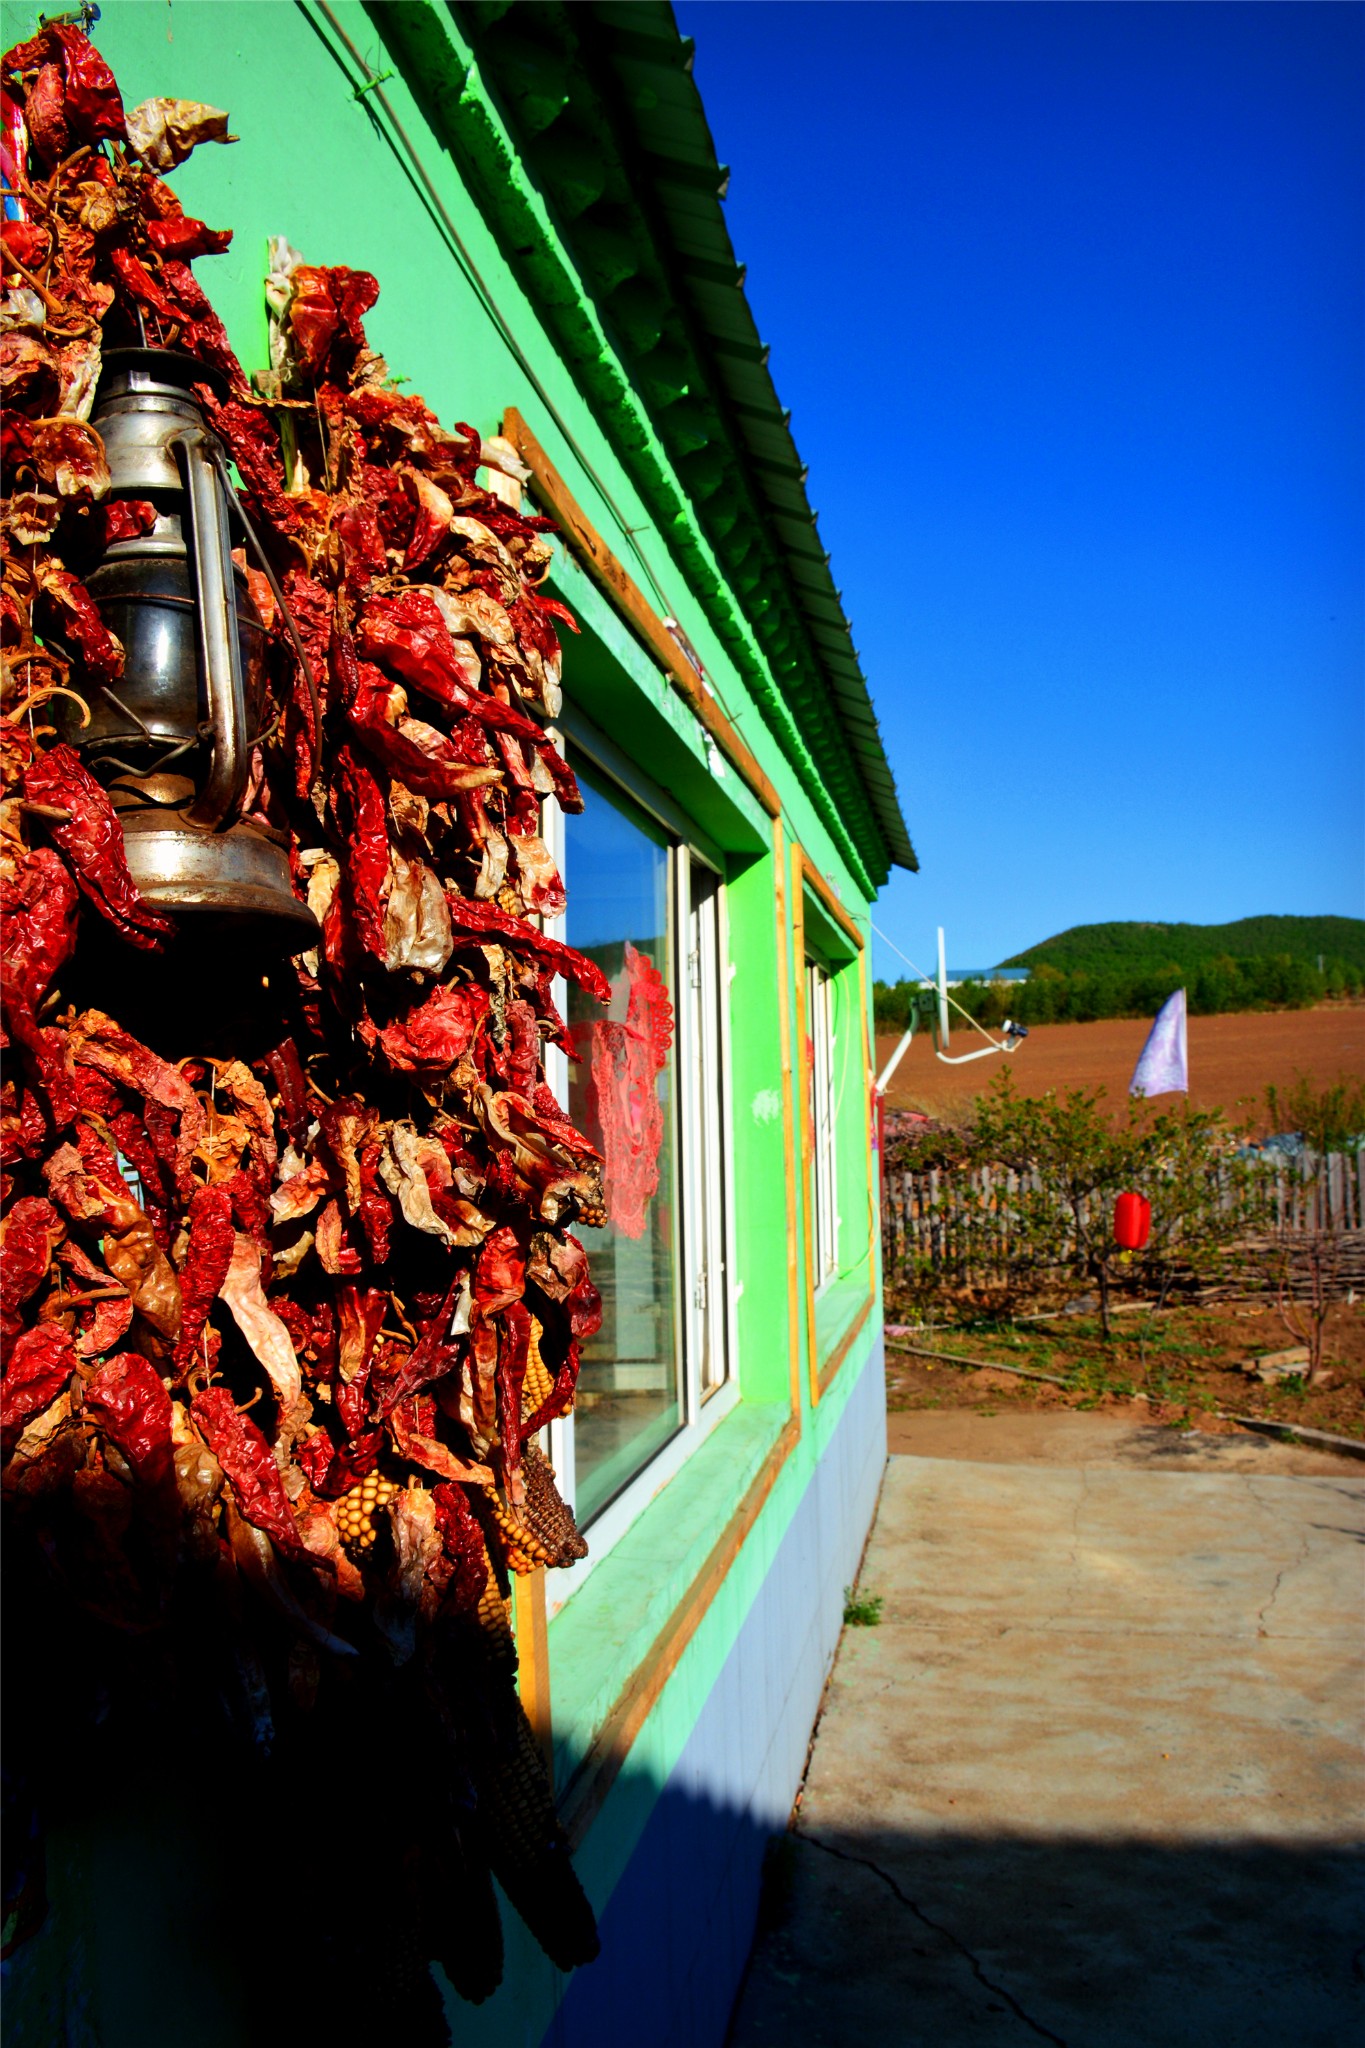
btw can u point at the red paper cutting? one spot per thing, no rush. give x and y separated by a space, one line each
623 1099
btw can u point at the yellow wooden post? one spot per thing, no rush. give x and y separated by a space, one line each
788 1120
533 1657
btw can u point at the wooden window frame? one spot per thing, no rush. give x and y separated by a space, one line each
805 875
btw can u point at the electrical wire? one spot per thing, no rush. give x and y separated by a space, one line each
932 982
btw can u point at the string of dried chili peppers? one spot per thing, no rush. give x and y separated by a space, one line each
285 1302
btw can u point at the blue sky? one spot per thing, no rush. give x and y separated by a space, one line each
1068 303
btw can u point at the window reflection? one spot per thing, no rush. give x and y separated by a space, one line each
622 1095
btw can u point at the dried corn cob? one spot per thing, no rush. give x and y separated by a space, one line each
544 1531
492 1608
528 1850
495 1618
538 1384
356 1512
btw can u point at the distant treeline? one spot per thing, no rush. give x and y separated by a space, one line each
1112 948
1082 994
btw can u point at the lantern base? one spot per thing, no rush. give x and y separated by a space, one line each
239 876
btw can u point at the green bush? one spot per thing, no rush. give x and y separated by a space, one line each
1072 1158
1330 1119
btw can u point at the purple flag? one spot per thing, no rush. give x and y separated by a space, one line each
1163 1065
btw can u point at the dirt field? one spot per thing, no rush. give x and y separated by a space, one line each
1232 1059
1182 1365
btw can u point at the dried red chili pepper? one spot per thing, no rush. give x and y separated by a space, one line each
483 918
104 1326
138 281
326 303
500 1271
49 137
25 240
249 1466
92 841
158 1182
286 1071
352 1402
434 1032
122 519
374 1211
126 1397
30 1230
360 1316
203 332
464 1546
37 925
92 103
207 1258
511 1371
185 238
433 1354
251 440
67 601
424 759
333 1243
333 1469
407 634
39 1364
251 1208
413 1425
360 817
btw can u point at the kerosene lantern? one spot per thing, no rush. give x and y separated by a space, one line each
172 739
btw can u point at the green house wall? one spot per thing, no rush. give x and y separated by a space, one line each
318 164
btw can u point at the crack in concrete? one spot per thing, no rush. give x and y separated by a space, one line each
1295 1564
1263 1613
937 1927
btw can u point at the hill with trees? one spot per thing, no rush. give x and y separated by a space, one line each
1097 947
1128 970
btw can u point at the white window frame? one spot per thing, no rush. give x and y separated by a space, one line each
706 1292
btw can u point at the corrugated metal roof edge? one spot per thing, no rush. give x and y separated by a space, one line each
745 380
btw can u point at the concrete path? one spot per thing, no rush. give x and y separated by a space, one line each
1096 1779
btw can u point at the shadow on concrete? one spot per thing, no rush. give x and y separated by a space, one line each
717 1931
945 1939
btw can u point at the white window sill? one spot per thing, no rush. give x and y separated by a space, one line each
610 1526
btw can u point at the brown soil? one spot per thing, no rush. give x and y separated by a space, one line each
1232 1059
1121 1434
1185 1364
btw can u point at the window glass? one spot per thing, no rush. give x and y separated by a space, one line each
622 1095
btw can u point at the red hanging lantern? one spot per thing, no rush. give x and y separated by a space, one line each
1132 1222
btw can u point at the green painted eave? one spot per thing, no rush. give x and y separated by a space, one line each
600 106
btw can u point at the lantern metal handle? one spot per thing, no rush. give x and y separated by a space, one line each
220 659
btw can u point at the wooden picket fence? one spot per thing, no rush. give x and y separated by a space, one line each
962 1223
